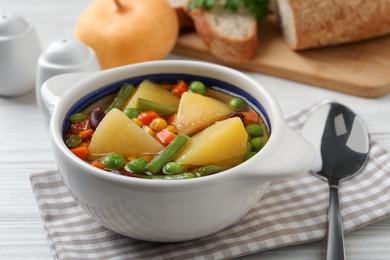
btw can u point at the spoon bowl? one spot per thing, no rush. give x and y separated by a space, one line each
341 142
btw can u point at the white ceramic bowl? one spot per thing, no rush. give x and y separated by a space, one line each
177 210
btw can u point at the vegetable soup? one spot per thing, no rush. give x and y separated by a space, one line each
166 130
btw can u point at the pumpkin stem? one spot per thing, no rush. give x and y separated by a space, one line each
119 5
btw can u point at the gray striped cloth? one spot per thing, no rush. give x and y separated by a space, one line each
292 211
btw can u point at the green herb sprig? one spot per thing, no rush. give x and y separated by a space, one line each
258 8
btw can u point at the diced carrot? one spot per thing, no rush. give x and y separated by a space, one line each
97 164
165 136
179 88
171 119
76 128
81 152
86 134
250 117
85 143
147 117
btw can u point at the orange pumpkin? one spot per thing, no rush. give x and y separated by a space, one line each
128 31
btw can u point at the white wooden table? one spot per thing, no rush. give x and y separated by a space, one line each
25 148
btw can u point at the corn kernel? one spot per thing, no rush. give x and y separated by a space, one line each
158 124
130 158
172 128
85 143
137 121
149 130
147 157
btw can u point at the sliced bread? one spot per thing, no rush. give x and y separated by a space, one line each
316 23
232 37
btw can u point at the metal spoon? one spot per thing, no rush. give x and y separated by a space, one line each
341 143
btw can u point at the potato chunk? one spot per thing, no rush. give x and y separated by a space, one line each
223 143
150 91
197 112
117 133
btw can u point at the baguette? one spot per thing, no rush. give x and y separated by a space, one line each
232 37
317 23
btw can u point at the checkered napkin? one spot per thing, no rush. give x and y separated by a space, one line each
292 211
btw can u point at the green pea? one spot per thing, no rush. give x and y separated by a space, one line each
73 141
197 87
237 103
78 117
254 130
137 165
248 146
131 112
257 143
249 155
173 168
113 161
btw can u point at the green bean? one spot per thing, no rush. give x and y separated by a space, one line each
77 117
73 141
131 112
209 169
121 97
181 176
161 109
166 155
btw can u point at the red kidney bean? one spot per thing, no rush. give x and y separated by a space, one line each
96 117
241 116
125 173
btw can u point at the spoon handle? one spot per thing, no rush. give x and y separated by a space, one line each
335 241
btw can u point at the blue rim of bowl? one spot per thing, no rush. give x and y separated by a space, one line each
216 84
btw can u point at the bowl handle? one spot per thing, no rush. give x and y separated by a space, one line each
53 88
289 155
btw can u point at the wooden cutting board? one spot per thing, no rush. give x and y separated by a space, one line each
361 69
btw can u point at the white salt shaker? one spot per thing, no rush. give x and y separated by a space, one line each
19 52
65 55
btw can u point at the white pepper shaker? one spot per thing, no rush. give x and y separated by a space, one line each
65 55
19 52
